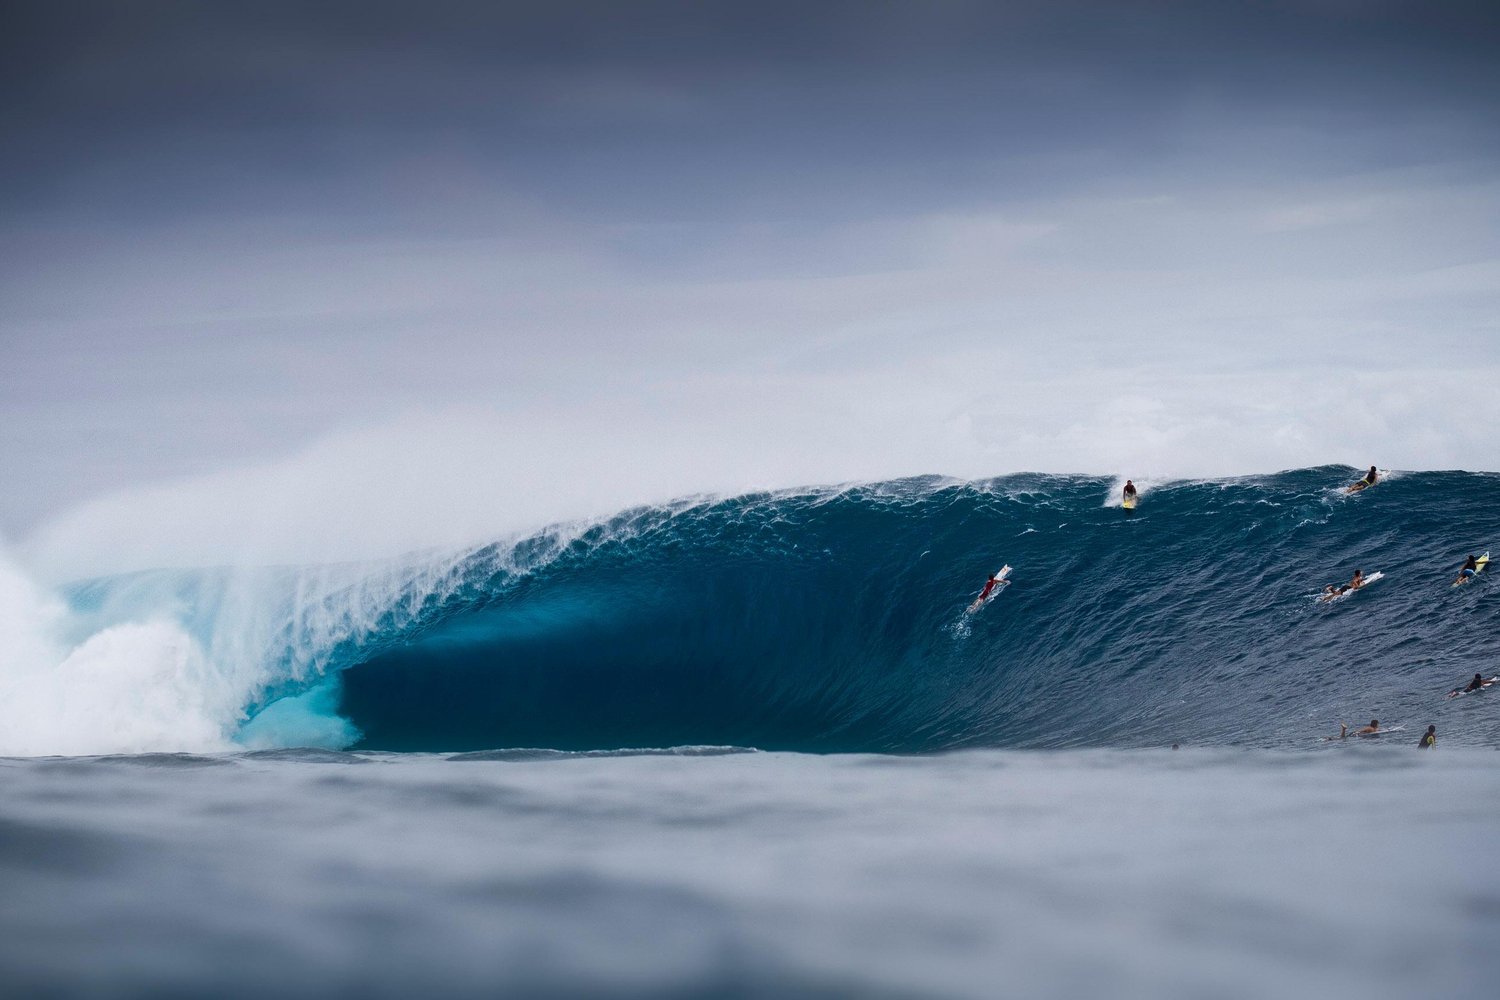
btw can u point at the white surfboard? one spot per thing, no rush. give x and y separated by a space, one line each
1326 598
1483 684
1002 580
1352 735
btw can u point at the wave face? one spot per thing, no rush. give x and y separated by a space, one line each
834 621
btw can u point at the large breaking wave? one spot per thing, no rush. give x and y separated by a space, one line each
832 620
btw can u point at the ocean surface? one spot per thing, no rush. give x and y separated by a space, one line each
1362 869
756 746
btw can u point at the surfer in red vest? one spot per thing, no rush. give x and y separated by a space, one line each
989 587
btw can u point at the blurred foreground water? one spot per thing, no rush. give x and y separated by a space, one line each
720 874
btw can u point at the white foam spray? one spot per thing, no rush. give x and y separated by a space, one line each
129 688
220 659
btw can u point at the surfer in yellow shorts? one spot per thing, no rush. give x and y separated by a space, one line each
1368 481
1129 491
1429 738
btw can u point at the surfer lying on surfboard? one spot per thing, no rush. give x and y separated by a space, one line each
1471 567
990 585
1358 581
1479 683
1373 729
1364 483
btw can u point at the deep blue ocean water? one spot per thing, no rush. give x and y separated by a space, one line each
833 621
755 747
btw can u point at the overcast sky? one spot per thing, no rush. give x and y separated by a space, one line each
316 279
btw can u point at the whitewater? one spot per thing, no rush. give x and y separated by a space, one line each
753 746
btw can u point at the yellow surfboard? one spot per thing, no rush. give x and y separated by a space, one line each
1479 565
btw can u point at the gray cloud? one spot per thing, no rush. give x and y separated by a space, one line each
676 109
231 231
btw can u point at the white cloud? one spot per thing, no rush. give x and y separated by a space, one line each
363 396
463 475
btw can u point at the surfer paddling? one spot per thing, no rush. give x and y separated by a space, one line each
990 585
1479 683
1373 729
1364 483
1357 581
1471 567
